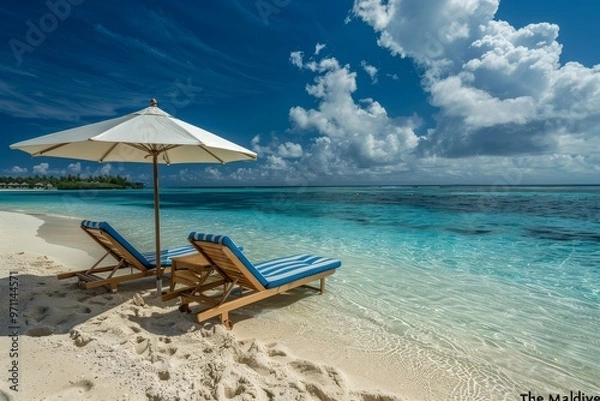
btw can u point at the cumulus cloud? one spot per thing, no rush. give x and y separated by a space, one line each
74 168
262 150
500 90
243 174
359 133
19 170
345 135
296 58
370 70
213 173
426 30
318 48
104 170
508 111
41 169
289 149
276 163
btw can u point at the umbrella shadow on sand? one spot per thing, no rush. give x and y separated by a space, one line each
47 306
161 321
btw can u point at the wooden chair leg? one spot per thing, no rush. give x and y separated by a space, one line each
225 320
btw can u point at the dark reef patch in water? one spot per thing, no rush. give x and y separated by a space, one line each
561 234
470 231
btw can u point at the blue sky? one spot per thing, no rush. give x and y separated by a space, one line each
350 92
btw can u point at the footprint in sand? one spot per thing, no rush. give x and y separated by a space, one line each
38 313
166 340
364 396
275 352
80 339
57 294
309 370
100 299
142 345
40 331
258 363
45 315
232 392
84 297
84 310
75 391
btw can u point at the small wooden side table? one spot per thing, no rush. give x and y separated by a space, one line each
190 270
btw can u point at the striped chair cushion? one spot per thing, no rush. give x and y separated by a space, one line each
276 272
167 254
285 270
148 259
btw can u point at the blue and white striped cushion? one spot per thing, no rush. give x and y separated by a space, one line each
148 259
167 254
108 229
237 251
285 270
276 272
93 224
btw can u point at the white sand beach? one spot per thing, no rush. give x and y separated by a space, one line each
75 344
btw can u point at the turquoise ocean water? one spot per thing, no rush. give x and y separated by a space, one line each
488 292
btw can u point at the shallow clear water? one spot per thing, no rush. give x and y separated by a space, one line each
488 292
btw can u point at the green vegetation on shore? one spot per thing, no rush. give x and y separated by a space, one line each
68 182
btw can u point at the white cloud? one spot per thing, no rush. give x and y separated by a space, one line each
506 171
509 112
289 149
143 177
260 150
345 135
296 58
371 70
500 90
477 107
276 163
318 48
19 170
425 30
104 170
243 174
213 173
74 168
41 169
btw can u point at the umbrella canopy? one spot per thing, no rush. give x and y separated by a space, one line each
147 136
137 137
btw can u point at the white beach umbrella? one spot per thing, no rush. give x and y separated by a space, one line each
147 136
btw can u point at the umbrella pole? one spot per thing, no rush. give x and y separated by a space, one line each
157 226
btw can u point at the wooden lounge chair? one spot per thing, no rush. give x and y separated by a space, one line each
254 282
126 257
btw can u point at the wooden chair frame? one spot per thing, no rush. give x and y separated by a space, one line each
232 274
95 276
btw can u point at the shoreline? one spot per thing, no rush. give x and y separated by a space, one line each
83 325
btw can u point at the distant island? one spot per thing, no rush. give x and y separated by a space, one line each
68 182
